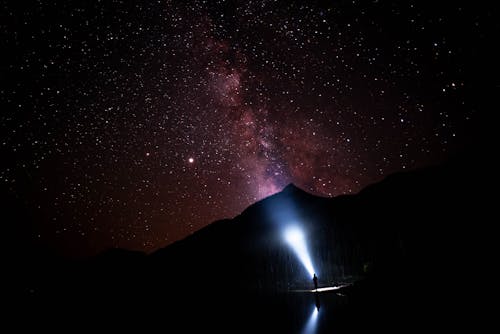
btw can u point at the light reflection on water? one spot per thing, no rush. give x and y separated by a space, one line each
317 313
311 324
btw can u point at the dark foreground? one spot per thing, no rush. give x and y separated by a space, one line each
367 305
417 244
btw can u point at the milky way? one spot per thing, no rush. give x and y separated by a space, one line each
134 124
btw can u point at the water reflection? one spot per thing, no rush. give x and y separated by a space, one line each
311 324
317 312
316 298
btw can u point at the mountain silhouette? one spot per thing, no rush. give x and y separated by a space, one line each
404 248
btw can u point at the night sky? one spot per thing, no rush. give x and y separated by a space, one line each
133 124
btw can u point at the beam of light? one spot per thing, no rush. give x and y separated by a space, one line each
329 288
323 289
311 324
295 238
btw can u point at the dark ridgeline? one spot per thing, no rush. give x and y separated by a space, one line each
411 243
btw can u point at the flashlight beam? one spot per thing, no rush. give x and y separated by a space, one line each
295 238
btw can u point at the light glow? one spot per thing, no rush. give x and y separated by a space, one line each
310 327
328 288
323 289
295 238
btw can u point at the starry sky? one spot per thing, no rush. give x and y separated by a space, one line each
135 123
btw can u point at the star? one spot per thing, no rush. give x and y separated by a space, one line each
104 118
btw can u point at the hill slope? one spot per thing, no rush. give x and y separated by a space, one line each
408 243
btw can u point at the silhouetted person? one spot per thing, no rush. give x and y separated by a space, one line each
315 280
